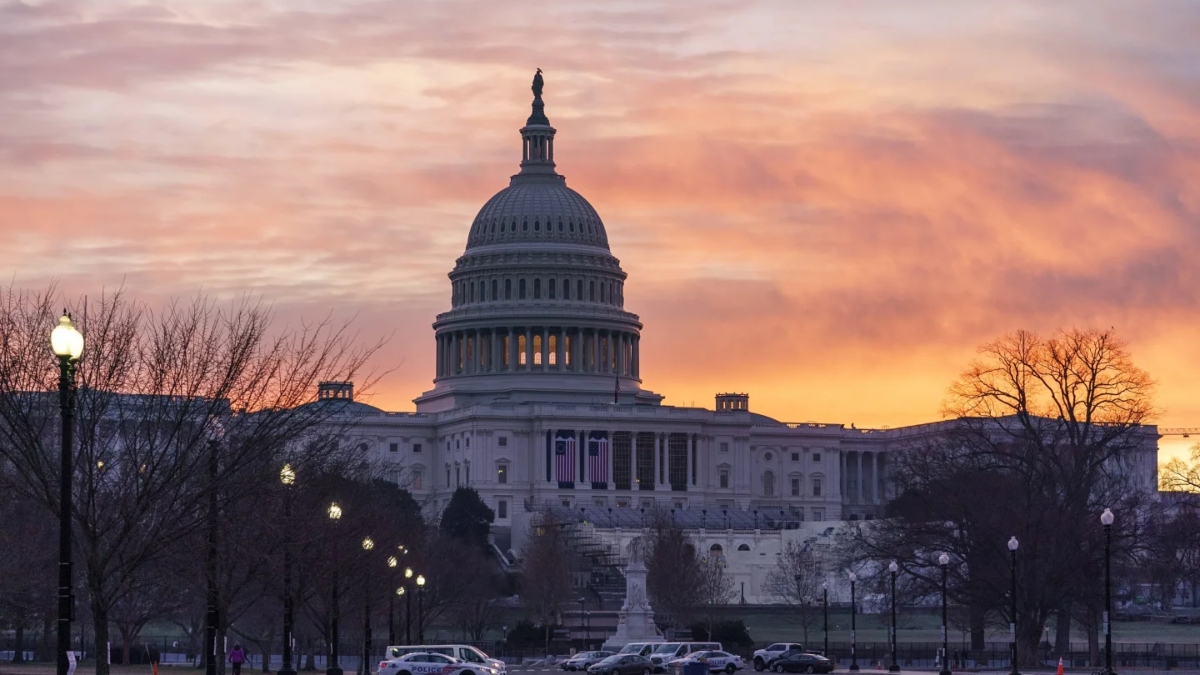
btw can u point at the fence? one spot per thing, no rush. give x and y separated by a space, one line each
996 655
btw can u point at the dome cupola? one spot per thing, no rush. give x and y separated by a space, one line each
537 298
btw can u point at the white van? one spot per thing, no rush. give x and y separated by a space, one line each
465 653
667 652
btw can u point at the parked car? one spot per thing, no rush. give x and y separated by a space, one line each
717 661
640 648
802 662
669 651
584 660
466 653
431 663
763 657
622 664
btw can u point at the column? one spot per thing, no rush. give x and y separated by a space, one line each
545 349
858 474
493 362
512 349
633 458
560 350
611 445
875 477
637 357
469 352
441 355
454 353
595 350
662 459
581 469
528 348
689 448
619 346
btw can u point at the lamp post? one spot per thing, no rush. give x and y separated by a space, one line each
1013 544
67 344
401 592
408 574
421 609
365 664
335 514
392 562
825 607
287 476
895 667
853 626
1106 519
944 560
212 616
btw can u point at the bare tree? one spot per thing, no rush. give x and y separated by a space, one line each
714 588
797 579
154 389
673 575
545 572
1182 476
1050 429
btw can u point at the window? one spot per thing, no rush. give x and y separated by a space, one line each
447 476
504 441
795 457
724 447
502 473
551 289
457 475
795 487
502 509
468 442
816 487
566 289
743 547
457 443
508 289
393 447
537 289
521 289
416 447
768 457
447 446
592 291
416 480
818 514
816 456
724 478
579 289
768 484
495 290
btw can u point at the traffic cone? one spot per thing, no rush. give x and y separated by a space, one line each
1060 668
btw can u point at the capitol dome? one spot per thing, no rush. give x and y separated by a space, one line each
537 298
537 209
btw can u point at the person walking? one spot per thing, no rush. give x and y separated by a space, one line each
237 656
153 655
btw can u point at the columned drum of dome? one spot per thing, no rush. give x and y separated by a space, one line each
537 298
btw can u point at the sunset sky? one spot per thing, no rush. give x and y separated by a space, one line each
828 205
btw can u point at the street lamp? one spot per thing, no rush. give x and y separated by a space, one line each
392 562
421 609
408 574
853 626
335 515
365 667
825 607
895 667
287 476
67 344
944 560
1013 544
1106 519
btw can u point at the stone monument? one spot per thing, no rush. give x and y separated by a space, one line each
635 621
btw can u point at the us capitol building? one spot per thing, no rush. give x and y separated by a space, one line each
538 399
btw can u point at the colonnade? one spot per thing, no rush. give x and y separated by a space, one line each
475 351
633 446
866 464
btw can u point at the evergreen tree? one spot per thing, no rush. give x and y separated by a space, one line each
467 518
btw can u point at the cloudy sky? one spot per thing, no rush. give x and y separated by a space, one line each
829 205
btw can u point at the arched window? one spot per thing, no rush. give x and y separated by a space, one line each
495 290
579 289
744 547
566 289
521 289
537 289
602 291
472 297
715 551
508 289
768 484
550 283
592 291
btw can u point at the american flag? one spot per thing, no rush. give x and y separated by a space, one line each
598 457
564 457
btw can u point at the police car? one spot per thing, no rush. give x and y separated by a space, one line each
432 663
717 661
